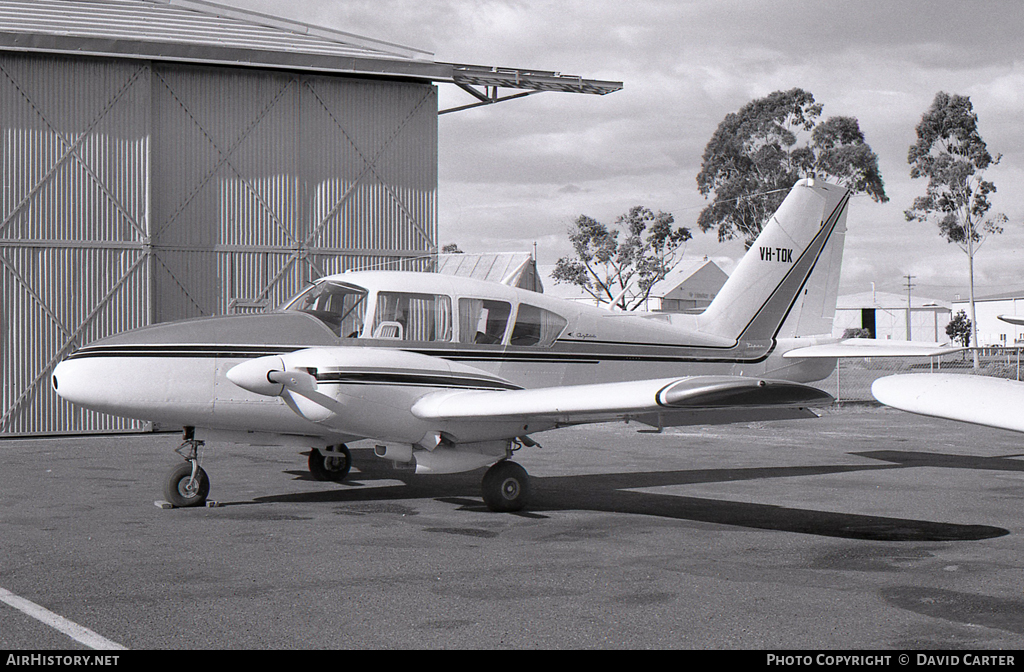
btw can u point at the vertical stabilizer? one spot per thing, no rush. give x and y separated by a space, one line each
792 269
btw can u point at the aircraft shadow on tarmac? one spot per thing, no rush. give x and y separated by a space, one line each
612 493
916 459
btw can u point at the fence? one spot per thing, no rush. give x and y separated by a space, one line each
852 378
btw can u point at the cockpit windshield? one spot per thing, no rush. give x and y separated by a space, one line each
340 306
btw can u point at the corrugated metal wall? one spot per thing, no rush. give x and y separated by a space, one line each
137 192
284 178
73 213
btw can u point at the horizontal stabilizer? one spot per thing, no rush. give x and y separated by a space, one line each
871 347
993 402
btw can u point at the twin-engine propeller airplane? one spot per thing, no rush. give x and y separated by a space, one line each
451 374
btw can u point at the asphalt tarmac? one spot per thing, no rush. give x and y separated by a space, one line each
867 528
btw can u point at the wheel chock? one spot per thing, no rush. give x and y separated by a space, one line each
163 504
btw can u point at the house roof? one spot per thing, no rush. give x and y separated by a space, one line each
682 272
511 268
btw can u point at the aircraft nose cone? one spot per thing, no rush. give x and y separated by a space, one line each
71 381
254 375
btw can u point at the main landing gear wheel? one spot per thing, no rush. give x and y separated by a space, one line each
506 487
183 489
331 467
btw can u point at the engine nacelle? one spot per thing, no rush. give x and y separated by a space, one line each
454 459
396 453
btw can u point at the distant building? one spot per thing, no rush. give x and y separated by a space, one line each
992 330
884 315
689 287
516 269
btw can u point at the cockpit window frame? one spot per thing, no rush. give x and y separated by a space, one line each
440 310
466 328
348 287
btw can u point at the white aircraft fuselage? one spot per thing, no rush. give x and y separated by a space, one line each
177 373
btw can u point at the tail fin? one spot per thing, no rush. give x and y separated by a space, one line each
791 270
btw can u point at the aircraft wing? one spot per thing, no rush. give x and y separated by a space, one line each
392 395
1012 319
871 347
994 402
666 401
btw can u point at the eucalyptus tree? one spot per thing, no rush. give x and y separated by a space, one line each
951 153
620 266
756 155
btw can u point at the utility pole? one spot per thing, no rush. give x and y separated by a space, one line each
909 287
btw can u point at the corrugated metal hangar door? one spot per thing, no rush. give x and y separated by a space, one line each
136 193
73 224
268 180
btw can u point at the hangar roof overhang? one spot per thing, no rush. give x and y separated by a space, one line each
198 31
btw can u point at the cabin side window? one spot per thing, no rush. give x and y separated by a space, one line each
536 326
341 307
413 317
483 320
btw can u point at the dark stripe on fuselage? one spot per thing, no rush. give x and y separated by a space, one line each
180 350
411 380
452 354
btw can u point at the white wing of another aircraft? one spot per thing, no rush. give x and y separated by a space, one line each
981 400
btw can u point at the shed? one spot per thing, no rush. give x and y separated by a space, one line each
516 269
691 286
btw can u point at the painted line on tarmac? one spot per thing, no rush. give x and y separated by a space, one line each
70 628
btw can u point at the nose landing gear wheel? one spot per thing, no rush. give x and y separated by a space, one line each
506 487
181 489
331 467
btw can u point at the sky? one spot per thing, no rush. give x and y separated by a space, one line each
516 174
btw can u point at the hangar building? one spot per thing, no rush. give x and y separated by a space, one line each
991 330
167 159
885 315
